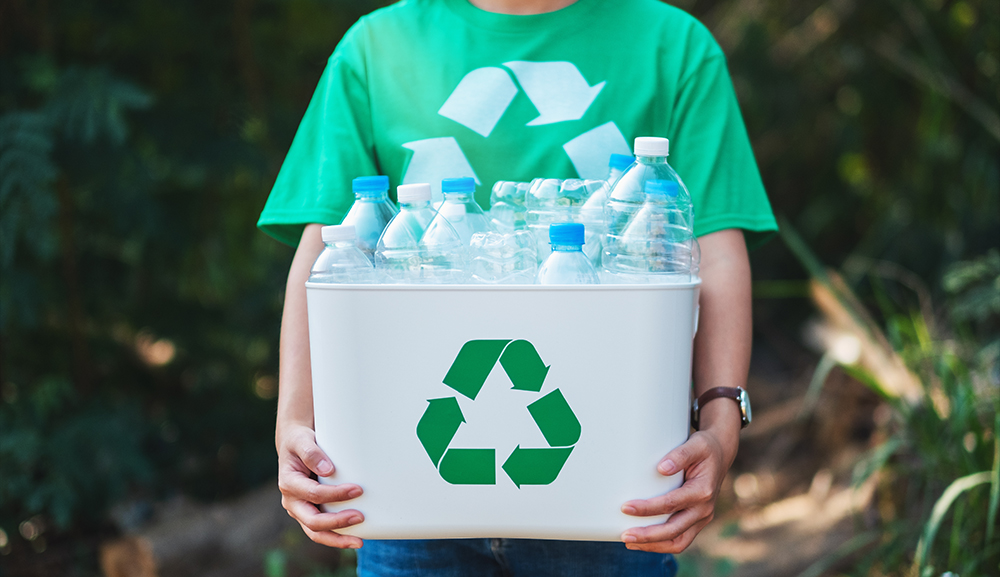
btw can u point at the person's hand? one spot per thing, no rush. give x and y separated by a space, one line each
703 458
298 458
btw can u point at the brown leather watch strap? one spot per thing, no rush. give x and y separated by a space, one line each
719 392
734 393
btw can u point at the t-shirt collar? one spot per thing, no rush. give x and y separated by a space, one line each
564 17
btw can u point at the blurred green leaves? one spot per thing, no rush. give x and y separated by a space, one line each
939 444
87 104
27 202
138 304
69 463
876 125
975 286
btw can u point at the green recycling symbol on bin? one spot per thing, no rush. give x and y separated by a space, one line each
467 375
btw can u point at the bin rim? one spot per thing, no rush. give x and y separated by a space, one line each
505 287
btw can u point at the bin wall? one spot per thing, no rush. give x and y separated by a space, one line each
620 357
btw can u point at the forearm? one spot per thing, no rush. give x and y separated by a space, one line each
723 343
295 373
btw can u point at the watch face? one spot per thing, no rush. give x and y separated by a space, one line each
745 407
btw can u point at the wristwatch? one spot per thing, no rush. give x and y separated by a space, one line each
737 394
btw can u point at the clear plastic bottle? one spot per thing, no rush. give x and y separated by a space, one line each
657 247
617 165
372 210
341 262
592 211
628 195
552 200
397 255
596 201
443 254
542 209
502 258
460 208
567 264
507 210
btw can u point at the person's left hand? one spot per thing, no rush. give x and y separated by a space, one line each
692 505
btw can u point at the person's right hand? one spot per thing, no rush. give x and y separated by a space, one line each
299 457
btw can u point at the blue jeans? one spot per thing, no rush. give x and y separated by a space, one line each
508 558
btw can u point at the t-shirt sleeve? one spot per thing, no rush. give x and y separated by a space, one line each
710 149
333 145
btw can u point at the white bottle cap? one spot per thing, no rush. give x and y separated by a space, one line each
413 192
338 232
652 146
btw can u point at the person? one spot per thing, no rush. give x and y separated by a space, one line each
511 90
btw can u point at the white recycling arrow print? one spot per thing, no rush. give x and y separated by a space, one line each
480 99
590 151
557 89
434 159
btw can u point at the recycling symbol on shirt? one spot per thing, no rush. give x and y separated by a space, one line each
477 466
558 91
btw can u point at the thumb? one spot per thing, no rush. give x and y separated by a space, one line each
313 457
681 458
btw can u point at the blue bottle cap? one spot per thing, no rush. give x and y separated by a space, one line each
370 185
662 188
566 233
620 161
464 184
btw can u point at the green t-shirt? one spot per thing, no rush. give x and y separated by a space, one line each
429 89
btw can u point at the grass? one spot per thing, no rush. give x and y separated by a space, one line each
938 462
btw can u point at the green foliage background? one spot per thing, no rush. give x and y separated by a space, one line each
139 139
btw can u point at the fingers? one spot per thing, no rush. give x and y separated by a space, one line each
305 447
333 539
692 505
312 518
694 450
320 526
674 545
297 485
691 494
700 463
299 458
678 523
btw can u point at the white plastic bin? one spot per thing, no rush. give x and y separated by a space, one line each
619 364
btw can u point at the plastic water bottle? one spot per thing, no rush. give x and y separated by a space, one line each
552 200
657 246
628 195
372 210
503 258
592 211
507 210
542 209
442 254
567 264
596 201
617 164
460 208
341 261
397 254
